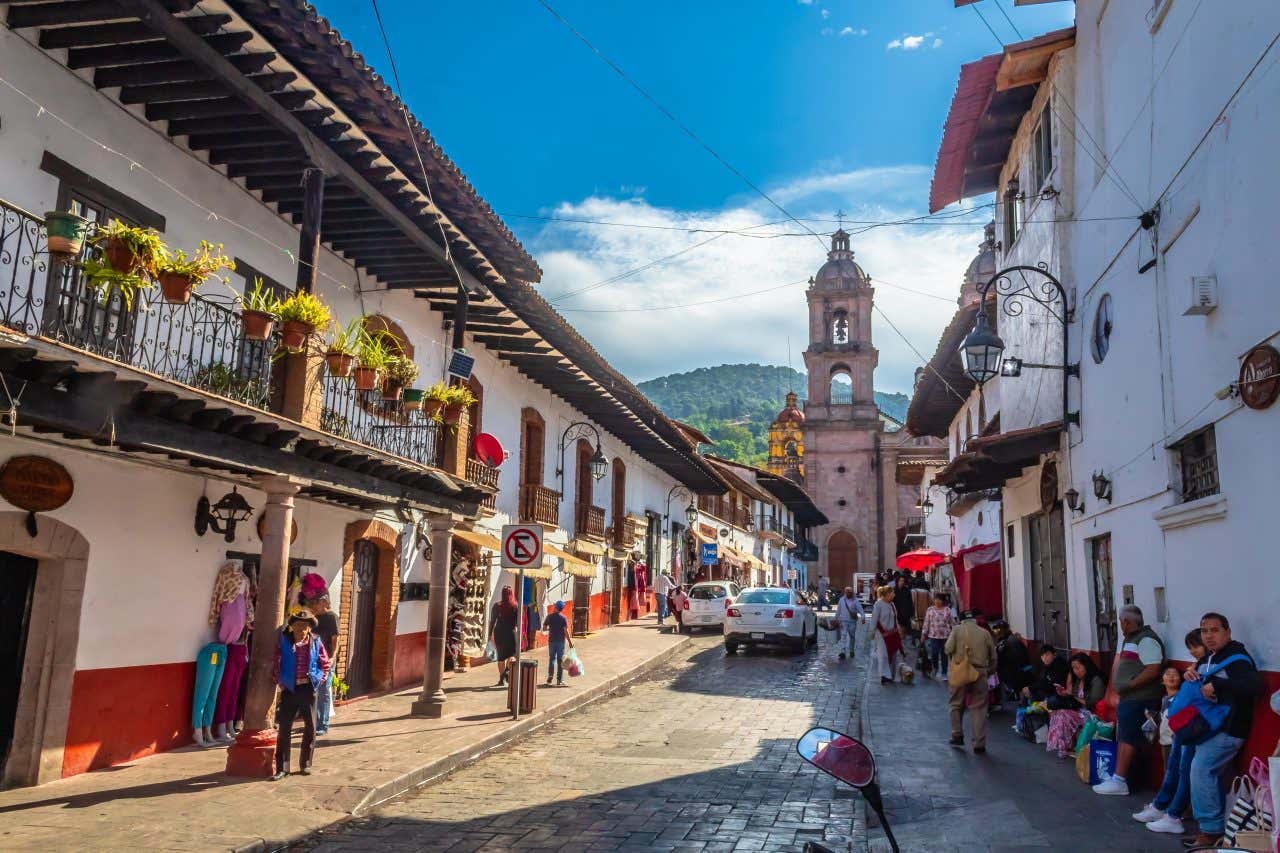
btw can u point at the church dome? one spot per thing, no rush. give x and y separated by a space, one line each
791 414
981 268
840 272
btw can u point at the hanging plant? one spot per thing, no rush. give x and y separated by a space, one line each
107 280
459 398
129 249
344 347
180 275
258 311
300 315
66 231
373 355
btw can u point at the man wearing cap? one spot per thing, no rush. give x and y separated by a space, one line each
969 642
557 628
301 665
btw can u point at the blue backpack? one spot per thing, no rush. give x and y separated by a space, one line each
1193 718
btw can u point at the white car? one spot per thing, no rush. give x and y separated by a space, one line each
707 604
774 616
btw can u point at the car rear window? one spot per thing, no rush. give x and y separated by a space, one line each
765 596
707 593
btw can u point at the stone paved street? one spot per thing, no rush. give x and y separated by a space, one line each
699 755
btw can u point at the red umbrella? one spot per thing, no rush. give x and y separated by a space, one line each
921 560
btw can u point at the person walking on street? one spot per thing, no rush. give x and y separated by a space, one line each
301 664
849 613
327 631
938 624
504 624
557 628
662 587
888 644
679 600
904 605
824 588
1135 678
972 655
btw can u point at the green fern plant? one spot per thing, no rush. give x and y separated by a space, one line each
306 308
346 339
106 279
203 263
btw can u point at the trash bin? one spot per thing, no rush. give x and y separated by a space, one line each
528 687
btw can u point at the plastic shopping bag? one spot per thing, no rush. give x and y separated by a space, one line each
573 664
490 650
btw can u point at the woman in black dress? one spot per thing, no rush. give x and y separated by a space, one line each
505 625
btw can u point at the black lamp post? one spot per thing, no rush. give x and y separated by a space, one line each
598 464
983 349
690 512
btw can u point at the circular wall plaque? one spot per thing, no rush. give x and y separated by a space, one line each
262 526
1260 377
35 483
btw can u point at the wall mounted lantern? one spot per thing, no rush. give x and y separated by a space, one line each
597 463
222 517
690 512
1072 498
926 507
1102 487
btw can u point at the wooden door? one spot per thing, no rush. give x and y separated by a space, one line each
17 586
581 606
616 611
364 594
842 559
1049 578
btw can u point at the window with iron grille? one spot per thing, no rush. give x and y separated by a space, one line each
1198 464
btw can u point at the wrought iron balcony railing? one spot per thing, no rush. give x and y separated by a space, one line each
198 343
364 416
539 505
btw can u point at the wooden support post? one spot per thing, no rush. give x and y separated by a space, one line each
431 702
253 752
309 242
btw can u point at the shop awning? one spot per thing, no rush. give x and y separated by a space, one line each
573 565
587 547
989 462
543 572
476 537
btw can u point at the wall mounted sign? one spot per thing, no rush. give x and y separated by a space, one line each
1260 377
262 528
36 484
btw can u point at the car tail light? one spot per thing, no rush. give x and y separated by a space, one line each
734 612
784 614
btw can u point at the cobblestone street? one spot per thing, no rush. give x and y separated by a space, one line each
698 756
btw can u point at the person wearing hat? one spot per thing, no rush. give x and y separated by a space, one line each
557 628
972 655
301 665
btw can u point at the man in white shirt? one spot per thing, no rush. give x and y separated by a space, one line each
849 612
662 588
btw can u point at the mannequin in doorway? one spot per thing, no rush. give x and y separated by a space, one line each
639 589
220 665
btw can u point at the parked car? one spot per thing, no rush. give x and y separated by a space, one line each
769 616
707 603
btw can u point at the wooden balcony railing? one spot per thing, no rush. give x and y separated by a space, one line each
485 475
589 521
539 505
626 532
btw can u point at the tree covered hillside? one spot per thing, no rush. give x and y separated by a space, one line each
735 403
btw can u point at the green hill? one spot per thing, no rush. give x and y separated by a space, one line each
735 403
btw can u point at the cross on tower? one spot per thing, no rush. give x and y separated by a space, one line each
840 218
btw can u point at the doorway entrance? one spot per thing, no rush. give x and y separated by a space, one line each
615 592
364 596
842 559
1048 554
581 606
17 590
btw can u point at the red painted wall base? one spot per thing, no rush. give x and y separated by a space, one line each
410 659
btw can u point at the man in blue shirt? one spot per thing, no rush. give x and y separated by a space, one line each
557 628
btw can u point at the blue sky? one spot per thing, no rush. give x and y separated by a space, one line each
828 104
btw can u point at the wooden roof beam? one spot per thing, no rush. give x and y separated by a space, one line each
213 107
174 71
91 35
150 51
23 15
154 13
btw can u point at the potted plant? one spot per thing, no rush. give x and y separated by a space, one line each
434 399
107 279
300 315
412 398
258 311
344 347
130 250
66 231
373 356
180 275
400 372
460 397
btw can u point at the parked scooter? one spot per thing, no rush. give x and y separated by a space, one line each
849 760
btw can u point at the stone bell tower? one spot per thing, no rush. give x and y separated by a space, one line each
847 466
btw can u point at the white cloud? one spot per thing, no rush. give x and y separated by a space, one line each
826 31
805 2
936 43
644 344
826 13
912 42
850 31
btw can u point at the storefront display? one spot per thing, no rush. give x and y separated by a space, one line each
475 607
221 664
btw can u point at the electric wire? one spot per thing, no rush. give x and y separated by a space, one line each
646 308
1012 25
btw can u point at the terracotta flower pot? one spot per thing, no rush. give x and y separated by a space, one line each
431 408
121 258
366 378
66 232
340 364
452 414
257 325
413 399
176 288
391 390
294 334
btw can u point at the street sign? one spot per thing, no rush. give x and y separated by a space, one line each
710 553
521 546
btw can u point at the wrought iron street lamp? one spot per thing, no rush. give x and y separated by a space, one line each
983 349
222 517
598 465
690 512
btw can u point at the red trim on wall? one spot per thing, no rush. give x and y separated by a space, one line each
123 713
410 659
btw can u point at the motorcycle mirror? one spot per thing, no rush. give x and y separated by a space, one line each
837 754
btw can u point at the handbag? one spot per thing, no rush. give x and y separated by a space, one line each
962 673
1242 814
1260 774
1193 718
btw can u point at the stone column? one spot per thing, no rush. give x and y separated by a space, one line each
431 702
253 752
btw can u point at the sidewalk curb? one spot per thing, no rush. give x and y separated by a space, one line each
446 764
